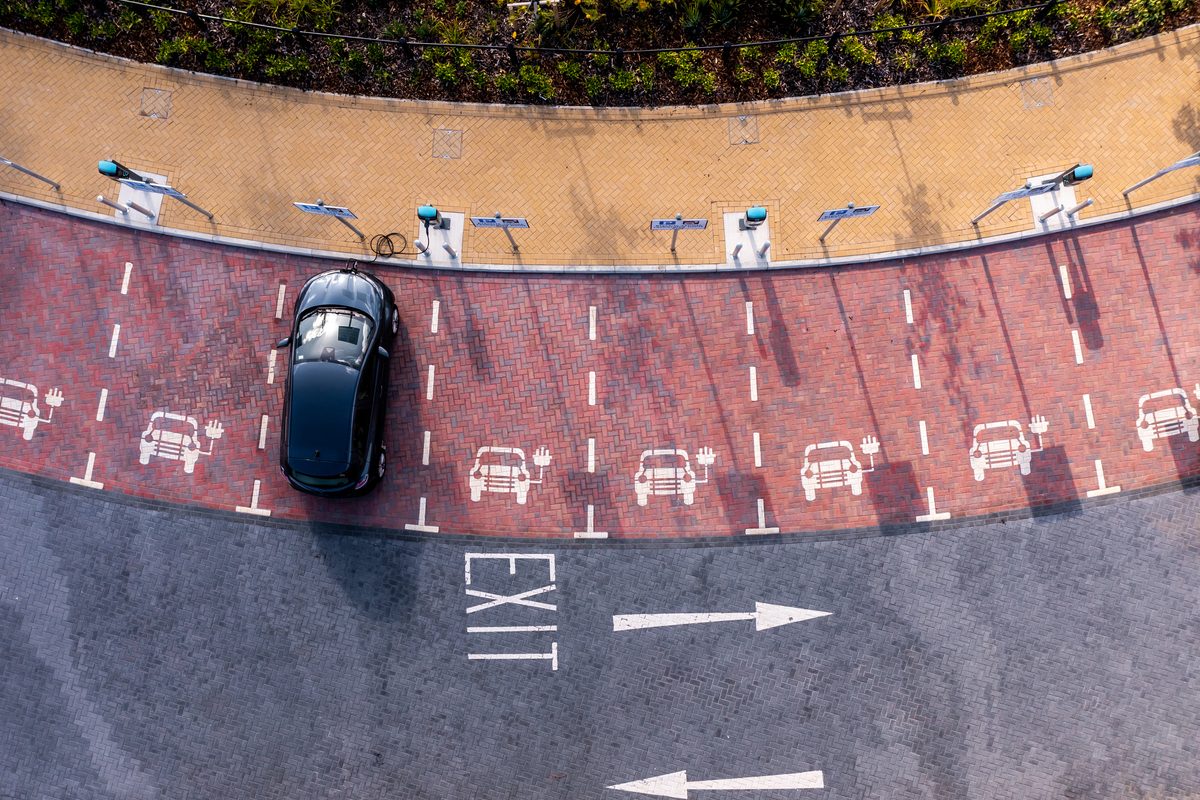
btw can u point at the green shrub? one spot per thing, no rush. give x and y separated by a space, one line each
593 86
798 10
772 79
837 73
571 70
787 54
446 73
1036 36
813 53
77 23
952 53
282 68
687 69
161 20
646 75
536 82
742 75
507 83
905 61
882 23
395 30
623 80
856 51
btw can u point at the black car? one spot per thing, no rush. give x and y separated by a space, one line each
337 378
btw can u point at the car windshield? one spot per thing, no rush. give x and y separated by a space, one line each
671 461
333 334
1168 402
501 459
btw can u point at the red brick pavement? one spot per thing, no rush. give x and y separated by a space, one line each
832 351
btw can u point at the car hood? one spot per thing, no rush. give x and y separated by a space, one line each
320 417
348 289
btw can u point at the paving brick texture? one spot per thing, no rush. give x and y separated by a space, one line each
589 181
1030 378
155 653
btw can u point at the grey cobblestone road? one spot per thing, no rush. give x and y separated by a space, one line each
150 652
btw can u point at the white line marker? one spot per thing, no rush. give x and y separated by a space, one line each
591 323
916 372
908 317
429 383
421 526
933 514
677 785
757 450
1078 348
253 507
749 318
754 384
591 388
765 616
1066 280
924 439
762 522
112 346
279 300
1087 410
425 449
433 317
512 629
271 365
552 656
103 403
86 480
1104 488
125 280
591 532
262 432
591 458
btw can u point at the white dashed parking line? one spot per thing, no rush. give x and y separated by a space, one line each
1078 347
757 450
1087 410
916 369
279 301
125 280
908 315
754 384
112 346
271 365
924 439
433 317
591 323
591 388
429 383
749 318
591 456
262 433
933 514
1103 487
86 480
103 403
253 507
1066 281
425 449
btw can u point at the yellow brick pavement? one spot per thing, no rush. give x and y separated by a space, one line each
932 155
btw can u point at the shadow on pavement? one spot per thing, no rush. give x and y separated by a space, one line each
1050 486
897 498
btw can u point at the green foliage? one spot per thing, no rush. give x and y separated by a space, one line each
698 16
593 86
813 53
742 75
161 21
1143 17
571 70
349 61
536 82
952 53
394 30
798 11
645 73
77 23
856 51
316 15
375 54
687 69
623 80
882 23
446 73
905 61
837 73
787 54
283 68
507 83
772 79
194 52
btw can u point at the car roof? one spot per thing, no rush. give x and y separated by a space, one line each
321 413
360 291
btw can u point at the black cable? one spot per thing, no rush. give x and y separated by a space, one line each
383 245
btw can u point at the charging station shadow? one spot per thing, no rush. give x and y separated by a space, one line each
740 493
582 489
1050 486
1187 459
896 497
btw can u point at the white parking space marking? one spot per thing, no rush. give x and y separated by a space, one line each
924 439
433 319
512 629
279 301
591 388
1078 347
908 315
591 532
262 433
1066 280
591 323
103 403
421 526
1087 410
1104 488
591 457
112 346
271 365
916 367
253 507
933 514
749 318
425 449
125 280
86 480
762 522
754 384
757 450
552 656
429 383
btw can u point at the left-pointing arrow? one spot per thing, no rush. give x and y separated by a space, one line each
676 784
765 615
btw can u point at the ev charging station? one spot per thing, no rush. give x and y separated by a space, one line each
439 235
1051 197
747 237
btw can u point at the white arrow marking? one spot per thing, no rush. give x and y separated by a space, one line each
764 615
676 784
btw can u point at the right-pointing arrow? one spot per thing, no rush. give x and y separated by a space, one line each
676 784
765 616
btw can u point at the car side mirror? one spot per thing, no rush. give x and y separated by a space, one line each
284 342
382 353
